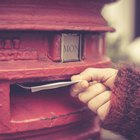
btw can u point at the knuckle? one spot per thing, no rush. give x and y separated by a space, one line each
82 98
74 90
91 106
100 86
99 112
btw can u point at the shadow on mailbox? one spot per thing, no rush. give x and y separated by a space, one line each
43 42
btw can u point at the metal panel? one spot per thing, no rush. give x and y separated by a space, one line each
71 47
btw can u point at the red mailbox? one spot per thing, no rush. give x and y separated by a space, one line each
43 42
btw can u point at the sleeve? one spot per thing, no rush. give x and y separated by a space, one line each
124 115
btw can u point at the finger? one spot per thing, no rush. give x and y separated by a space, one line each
99 100
79 87
104 110
104 75
76 77
91 92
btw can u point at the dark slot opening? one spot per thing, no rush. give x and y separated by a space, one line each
16 87
25 105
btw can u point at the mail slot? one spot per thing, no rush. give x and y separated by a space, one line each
43 42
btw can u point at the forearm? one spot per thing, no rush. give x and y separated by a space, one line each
124 115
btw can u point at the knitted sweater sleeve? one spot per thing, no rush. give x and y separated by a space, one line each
124 114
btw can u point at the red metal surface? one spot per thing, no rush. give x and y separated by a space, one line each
30 47
78 131
53 15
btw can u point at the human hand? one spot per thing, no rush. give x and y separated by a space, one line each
95 89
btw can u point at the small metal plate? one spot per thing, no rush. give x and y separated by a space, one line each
71 47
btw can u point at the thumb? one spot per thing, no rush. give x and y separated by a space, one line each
105 75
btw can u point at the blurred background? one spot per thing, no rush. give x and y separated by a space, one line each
124 44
